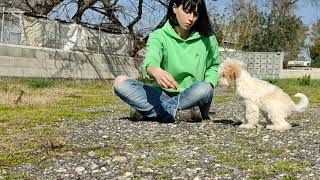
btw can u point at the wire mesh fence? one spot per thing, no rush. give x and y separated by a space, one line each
17 28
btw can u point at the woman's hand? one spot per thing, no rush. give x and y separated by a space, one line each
163 77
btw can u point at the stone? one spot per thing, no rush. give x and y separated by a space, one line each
79 170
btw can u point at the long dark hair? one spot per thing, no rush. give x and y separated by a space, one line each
203 25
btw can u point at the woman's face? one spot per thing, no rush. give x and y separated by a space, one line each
186 19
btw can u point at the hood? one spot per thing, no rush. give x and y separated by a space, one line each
168 29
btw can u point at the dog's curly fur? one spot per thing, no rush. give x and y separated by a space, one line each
261 96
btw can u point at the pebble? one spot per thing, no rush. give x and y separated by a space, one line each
79 170
92 154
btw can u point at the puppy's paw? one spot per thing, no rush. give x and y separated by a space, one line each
247 126
279 127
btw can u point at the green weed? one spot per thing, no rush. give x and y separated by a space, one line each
305 80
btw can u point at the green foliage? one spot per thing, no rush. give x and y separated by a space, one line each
315 54
305 80
278 34
314 49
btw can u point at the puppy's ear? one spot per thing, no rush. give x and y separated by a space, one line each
234 70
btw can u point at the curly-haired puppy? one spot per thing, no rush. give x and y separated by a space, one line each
259 95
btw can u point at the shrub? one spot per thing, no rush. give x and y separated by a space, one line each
305 80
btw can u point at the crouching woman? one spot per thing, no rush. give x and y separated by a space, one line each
183 58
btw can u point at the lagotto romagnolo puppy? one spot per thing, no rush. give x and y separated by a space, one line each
259 95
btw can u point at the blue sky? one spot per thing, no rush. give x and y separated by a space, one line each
308 13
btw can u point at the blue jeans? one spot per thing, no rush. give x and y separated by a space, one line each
160 105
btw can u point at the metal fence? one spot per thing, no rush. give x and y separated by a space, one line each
10 27
16 28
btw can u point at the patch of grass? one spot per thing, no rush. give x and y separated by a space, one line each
292 146
296 117
255 177
142 145
164 176
289 178
292 86
106 151
223 158
28 125
224 171
213 150
269 150
162 161
164 145
190 163
258 167
139 161
40 83
14 158
222 99
290 166
14 175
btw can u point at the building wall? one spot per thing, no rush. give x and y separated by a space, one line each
25 61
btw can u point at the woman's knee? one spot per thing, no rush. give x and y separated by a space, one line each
205 85
204 88
120 79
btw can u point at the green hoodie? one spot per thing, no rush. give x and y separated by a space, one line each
193 59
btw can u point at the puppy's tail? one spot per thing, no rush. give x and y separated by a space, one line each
303 104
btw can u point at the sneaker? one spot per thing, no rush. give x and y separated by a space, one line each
135 115
210 116
189 115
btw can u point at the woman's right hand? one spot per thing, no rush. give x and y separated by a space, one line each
164 78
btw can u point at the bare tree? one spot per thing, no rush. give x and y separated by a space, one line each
238 27
283 7
83 5
34 7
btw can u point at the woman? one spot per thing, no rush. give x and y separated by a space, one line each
183 58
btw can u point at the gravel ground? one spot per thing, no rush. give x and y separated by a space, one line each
115 148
